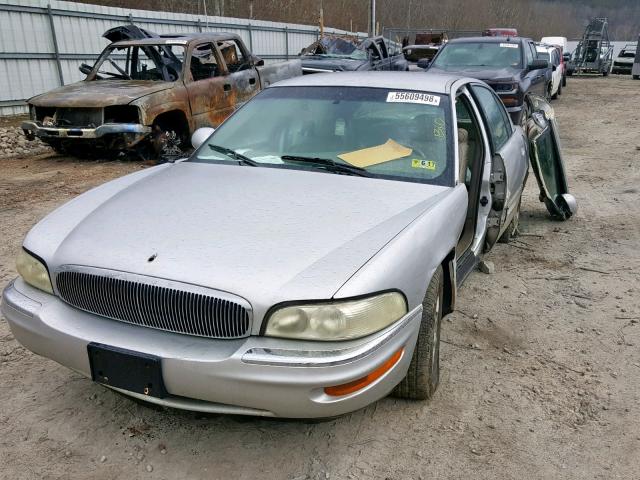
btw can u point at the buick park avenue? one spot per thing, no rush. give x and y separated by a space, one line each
300 262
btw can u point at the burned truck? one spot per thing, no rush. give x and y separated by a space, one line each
147 93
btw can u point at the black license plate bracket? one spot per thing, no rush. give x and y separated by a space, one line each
133 371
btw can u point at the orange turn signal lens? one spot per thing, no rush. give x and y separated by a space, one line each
354 386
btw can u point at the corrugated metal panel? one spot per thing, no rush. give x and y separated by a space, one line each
28 65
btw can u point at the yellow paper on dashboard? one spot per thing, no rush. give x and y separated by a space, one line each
386 152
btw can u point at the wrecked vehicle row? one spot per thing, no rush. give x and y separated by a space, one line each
149 93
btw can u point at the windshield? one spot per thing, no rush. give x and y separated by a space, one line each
542 55
479 54
382 133
148 62
336 48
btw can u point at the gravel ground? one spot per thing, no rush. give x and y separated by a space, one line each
540 363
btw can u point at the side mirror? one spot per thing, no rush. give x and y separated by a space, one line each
424 63
538 65
258 62
84 68
553 68
200 135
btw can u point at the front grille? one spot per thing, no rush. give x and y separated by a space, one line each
79 117
154 306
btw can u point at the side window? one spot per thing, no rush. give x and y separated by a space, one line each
204 63
529 54
383 48
373 51
233 56
495 115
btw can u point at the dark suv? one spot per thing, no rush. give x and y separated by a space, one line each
508 64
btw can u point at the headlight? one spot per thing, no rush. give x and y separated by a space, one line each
340 320
33 272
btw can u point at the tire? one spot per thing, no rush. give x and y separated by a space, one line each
166 143
423 375
636 77
548 95
512 230
564 80
559 90
605 74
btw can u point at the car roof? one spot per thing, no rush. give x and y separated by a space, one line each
178 39
498 39
420 81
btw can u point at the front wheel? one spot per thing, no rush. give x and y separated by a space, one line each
423 375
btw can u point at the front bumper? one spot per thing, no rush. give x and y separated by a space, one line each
37 129
252 376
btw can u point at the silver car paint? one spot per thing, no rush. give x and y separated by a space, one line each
265 234
268 235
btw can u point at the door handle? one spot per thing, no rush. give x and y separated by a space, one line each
252 81
227 87
484 201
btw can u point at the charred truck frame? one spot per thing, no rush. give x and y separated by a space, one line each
148 94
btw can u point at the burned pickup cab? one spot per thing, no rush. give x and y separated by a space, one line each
150 93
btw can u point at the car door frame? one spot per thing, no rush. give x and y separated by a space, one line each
243 84
536 78
208 103
509 170
469 257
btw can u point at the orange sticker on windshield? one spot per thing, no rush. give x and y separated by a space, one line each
386 152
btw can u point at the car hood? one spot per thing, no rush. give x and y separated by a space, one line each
266 234
481 73
99 93
333 64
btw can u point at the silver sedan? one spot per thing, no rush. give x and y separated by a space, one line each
299 263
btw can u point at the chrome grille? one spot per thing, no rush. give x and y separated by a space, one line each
154 306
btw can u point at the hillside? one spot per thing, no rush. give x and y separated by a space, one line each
533 18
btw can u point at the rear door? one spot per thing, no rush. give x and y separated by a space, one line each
205 78
242 78
546 161
509 161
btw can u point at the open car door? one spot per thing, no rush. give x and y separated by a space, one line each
546 160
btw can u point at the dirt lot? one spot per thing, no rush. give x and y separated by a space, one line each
540 363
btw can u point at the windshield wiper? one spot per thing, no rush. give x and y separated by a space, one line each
328 164
233 154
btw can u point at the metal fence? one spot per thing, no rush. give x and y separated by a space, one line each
43 42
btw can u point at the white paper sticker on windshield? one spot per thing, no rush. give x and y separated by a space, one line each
509 45
413 97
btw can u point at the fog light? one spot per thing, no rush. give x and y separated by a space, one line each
359 384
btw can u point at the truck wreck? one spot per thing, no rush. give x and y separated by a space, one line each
146 93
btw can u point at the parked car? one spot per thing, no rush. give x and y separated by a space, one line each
149 93
563 44
509 65
552 55
332 53
299 263
623 63
500 32
635 71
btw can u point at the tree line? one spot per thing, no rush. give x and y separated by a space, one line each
533 18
